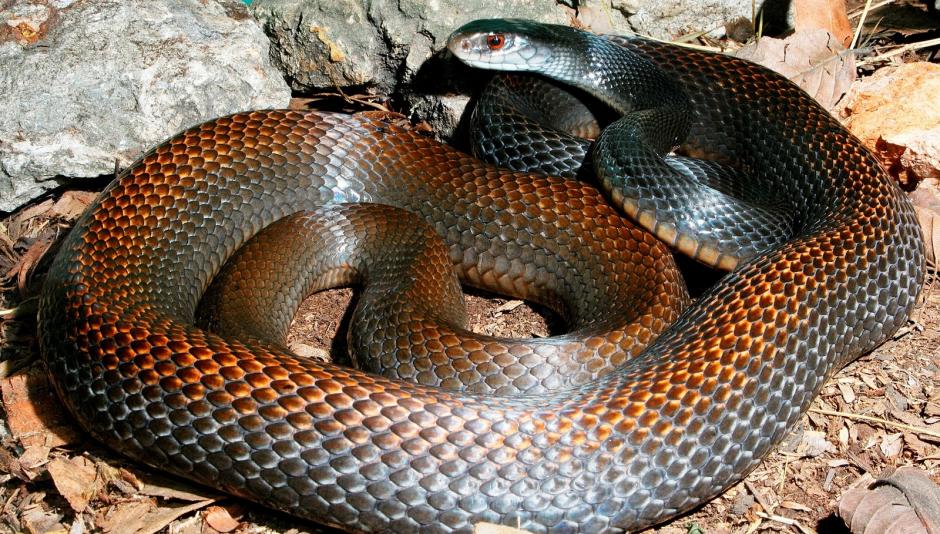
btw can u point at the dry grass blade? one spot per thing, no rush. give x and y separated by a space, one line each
869 419
358 100
910 47
786 521
861 24
860 12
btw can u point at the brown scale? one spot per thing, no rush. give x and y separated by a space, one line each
663 431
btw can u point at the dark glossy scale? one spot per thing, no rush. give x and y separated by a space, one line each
665 431
410 319
712 210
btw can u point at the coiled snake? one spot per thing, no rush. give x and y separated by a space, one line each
653 434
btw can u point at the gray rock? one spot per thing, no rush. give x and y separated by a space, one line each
393 47
381 45
87 83
668 19
378 45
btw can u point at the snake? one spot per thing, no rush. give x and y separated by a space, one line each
652 434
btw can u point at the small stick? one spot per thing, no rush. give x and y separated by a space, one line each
870 419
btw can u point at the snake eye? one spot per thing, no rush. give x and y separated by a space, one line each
495 41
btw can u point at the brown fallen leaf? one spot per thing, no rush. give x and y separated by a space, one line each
27 262
144 516
887 19
492 528
814 443
932 408
9 465
892 444
37 210
220 519
72 204
308 351
813 59
76 479
170 488
125 516
508 306
848 394
33 460
829 15
37 520
34 414
791 505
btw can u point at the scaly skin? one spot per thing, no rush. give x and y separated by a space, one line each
662 433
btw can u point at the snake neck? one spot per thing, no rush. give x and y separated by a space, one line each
613 74
624 81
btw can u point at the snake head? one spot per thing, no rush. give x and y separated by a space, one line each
507 44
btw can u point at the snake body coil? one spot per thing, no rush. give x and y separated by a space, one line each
660 433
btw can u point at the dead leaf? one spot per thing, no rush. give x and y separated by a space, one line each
125 516
900 18
897 399
829 15
309 351
27 262
72 204
41 209
32 459
9 464
509 306
813 59
36 520
848 394
814 443
932 408
220 519
144 517
843 436
76 479
171 488
34 414
892 444
492 528
791 505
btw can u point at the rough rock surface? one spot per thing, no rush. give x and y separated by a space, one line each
895 113
87 83
388 46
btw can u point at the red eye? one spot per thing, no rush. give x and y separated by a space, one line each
495 41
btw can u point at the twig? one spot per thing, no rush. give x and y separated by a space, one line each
786 521
679 42
870 419
758 497
861 23
901 50
873 6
